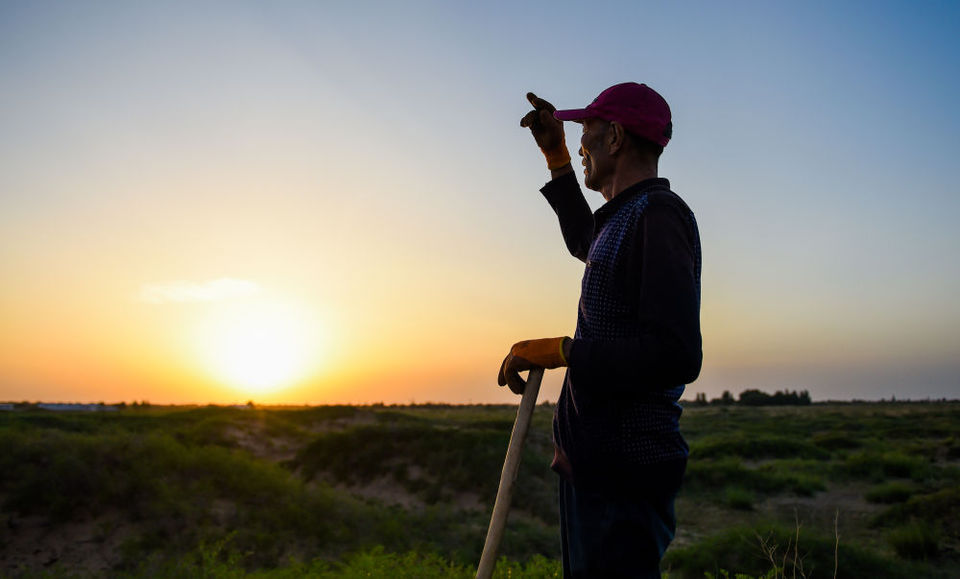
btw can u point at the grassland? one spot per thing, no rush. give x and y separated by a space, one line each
399 491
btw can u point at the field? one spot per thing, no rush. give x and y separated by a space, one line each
406 491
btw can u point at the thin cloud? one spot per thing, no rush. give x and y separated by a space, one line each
189 291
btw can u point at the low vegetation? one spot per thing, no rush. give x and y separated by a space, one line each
406 491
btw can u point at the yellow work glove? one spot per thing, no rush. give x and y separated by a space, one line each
543 353
547 131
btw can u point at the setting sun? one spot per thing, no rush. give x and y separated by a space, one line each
258 348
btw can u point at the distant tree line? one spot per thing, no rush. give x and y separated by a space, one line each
755 397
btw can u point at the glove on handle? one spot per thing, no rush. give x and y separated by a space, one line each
542 353
545 352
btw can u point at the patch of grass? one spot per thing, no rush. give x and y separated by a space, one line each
211 561
951 448
738 498
716 475
752 447
319 413
915 540
878 467
836 440
890 492
755 550
937 508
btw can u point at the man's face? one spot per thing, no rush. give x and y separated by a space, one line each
597 163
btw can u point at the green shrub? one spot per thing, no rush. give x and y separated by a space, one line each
951 448
738 498
915 540
883 466
939 508
834 440
890 492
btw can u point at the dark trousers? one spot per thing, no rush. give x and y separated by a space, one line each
614 534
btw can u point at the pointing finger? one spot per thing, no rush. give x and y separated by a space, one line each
540 104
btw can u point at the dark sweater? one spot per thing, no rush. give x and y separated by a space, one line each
638 340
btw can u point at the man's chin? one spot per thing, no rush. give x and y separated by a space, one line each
588 181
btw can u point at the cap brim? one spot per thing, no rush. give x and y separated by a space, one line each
572 115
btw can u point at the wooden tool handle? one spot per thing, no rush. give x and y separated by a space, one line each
509 474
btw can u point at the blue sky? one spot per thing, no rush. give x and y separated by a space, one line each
366 157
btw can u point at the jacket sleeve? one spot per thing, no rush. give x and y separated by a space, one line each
661 271
576 219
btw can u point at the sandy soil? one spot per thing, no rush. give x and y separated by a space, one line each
34 543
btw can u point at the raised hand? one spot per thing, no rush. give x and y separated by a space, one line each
547 131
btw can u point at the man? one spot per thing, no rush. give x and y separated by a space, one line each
618 447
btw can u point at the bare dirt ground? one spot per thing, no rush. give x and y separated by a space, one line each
34 543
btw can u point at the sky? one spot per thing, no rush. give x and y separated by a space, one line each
333 202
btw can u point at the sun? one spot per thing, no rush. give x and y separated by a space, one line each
258 348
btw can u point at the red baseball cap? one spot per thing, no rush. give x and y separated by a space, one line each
639 108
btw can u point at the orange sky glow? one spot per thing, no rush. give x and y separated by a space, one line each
239 201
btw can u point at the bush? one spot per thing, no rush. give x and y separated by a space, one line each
938 508
883 466
738 498
888 493
915 541
834 440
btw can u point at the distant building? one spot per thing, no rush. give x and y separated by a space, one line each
58 407
6 406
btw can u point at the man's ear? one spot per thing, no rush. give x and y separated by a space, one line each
616 137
